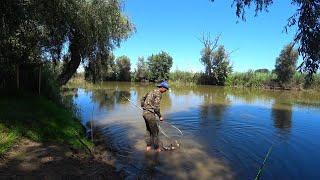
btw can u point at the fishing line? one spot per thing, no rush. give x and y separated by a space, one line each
161 130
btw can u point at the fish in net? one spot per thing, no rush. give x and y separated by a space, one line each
170 136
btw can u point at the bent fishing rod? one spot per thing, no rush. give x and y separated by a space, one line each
158 125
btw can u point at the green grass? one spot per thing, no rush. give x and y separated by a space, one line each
249 79
183 77
38 119
7 138
261 80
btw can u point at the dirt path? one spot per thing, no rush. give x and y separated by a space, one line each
32 160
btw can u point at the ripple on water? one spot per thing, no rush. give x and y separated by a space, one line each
226 133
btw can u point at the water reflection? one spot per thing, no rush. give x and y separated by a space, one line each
149 166
214 105
308 99
227 131
109 98
282 115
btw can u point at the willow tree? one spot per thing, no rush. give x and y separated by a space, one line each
72 31
307 19
102 26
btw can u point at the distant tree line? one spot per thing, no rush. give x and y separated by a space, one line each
217 69
155 69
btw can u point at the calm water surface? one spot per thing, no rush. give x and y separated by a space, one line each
227 132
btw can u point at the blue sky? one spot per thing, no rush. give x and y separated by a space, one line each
175 26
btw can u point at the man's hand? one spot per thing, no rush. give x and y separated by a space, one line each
161 118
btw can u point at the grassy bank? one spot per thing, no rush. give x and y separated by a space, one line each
269 80
248 79
40 120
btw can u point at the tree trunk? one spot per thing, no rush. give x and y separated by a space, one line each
73 64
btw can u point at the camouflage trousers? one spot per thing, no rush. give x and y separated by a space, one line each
152 136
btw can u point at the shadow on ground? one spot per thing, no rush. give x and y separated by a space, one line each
32 160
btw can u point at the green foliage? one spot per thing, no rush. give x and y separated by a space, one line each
29 80
49 85
250 79
102 69
269 80
216 62
159 66
7 138
285 66
123 66
316 82
38 119
179 76
58 30
262 71
221 66
300 79
141 74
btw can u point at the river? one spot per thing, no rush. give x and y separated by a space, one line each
227 132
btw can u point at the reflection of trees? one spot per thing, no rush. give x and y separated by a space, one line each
215 104
300 98
166 101
109 98
216 110
282 115
183 90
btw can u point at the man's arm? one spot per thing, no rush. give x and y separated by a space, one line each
143 99
157 100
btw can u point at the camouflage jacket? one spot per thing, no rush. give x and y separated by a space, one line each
151 101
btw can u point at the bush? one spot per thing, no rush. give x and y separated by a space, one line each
249 79
182 77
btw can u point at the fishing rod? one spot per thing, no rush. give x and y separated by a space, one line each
264 162
142 110
158 125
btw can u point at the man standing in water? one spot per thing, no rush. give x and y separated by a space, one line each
151 107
